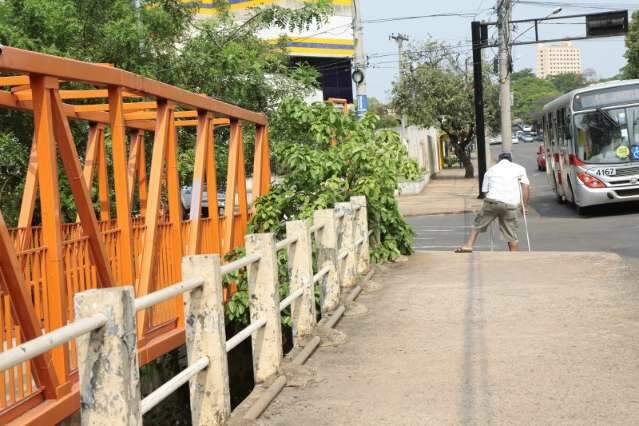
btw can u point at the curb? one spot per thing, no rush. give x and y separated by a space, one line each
269 394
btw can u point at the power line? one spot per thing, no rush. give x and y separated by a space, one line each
595 6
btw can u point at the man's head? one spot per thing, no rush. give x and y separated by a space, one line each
505 156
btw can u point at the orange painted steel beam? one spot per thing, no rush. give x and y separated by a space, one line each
141 173
199 170
25 314
132 164
128 106
149 251
7 99
122 199
29 195
15 80
175 213
81 194
91 157
261 164
235 182
211 188
151 115
51 222
26 95
103 178
24 61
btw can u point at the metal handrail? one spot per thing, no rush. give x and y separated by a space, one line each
167 293
244 334
325 270
291 298
240 263
285 243
41 344
161 393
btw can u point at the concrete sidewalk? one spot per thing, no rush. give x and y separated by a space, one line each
487 338
449 192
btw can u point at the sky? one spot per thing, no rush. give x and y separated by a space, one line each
605 56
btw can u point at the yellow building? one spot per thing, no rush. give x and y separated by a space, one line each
557 58
329 49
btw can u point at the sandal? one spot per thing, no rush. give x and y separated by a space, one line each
463 250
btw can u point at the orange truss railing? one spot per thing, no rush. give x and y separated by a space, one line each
43 265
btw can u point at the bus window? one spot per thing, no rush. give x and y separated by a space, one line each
600 134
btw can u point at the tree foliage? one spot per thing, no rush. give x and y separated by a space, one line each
532 93
316 175
161 40
437 92
387 119
631 70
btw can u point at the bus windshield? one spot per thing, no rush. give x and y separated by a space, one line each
608 136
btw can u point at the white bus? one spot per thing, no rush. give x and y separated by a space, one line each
591 144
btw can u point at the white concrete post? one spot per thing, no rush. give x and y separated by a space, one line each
346 264
264 303
206 337
108 359
327 255
300 272
361 234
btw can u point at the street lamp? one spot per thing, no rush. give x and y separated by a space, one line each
554 12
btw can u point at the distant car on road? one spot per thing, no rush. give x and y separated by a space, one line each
541 159
514 140
526 137
495 140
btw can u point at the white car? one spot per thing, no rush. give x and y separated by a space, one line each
515 140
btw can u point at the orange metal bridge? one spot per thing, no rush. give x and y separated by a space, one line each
43 265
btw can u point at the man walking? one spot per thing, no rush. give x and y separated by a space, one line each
505 185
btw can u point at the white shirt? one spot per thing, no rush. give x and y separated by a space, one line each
502 182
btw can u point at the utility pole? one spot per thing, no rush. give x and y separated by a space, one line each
504 13
400 39
359 76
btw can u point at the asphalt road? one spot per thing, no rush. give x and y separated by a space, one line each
552 226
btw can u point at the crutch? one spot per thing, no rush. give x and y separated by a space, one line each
523 211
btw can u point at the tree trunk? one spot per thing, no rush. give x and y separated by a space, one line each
464 158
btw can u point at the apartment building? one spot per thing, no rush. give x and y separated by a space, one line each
329 49
557 58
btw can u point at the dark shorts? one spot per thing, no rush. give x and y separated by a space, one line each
507 214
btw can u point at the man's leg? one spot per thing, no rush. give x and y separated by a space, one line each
472 239
513 246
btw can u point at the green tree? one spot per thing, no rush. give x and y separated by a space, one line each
316 175
217 57
438 93
631 69
387 120
531 93
566 82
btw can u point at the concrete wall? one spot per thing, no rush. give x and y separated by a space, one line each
422 147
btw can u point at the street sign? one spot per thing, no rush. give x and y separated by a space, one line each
607 24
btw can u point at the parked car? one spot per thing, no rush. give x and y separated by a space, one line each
539 137
526 137
495 140
514 140
541 159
